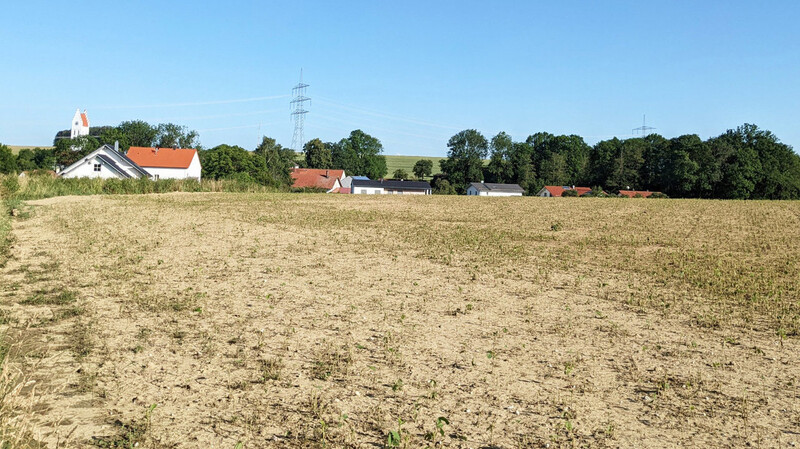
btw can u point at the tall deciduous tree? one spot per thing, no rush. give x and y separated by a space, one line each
465 155
170 135
317 155
278 162
360 155
423 168
139 133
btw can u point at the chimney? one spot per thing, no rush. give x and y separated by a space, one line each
174 146
327 173
155 150
116 146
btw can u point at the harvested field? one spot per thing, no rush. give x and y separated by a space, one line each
286 320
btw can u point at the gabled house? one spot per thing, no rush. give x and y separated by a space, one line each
557 191
104 162
167 163
389 187
317 178
494 189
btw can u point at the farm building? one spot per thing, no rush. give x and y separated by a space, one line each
493 189
318 178
557 191
384 187
633 193
167 163
80 124
104 162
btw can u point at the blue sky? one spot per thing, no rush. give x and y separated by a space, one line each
410 73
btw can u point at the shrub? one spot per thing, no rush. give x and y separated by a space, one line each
658 195
570 193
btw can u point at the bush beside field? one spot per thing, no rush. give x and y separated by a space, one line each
46 186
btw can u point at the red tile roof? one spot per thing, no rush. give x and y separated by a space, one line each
162 157
632 193
315 178
559 190
85 119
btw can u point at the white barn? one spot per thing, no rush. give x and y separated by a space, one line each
167 163
104 162
492 189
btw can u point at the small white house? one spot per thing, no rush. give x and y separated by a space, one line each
493 189
80 124
167 163
104 162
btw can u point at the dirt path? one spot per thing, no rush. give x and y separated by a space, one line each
208 320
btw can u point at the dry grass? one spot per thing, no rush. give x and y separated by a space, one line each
279 320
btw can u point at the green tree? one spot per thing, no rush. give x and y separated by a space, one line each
44 158
139 133
400 174
115 135
360 155
226 162
170 135
278 163
25 160
500 168
317 155
69 151
423 168
441 186
8 162
680 172
465 155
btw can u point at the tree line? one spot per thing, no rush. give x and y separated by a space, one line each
742 163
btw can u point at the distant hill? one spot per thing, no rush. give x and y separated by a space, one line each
407 164
15 148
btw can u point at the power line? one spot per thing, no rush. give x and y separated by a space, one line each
299 113
199 103
643 129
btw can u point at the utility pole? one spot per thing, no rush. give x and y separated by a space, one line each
299 112
643 129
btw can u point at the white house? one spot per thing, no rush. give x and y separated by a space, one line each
80 124
493 189
384 187
167 163
104 162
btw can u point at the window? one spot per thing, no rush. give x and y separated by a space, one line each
96 167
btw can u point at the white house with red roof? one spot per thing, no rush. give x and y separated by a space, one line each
167 163
80 124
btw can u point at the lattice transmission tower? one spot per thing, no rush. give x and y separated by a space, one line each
298 105
643 129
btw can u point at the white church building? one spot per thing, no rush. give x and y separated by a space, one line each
80 124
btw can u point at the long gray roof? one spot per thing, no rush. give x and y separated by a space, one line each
389 184
110 162
494 187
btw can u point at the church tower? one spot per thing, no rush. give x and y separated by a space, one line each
80 124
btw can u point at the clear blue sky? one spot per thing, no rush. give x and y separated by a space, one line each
411 73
